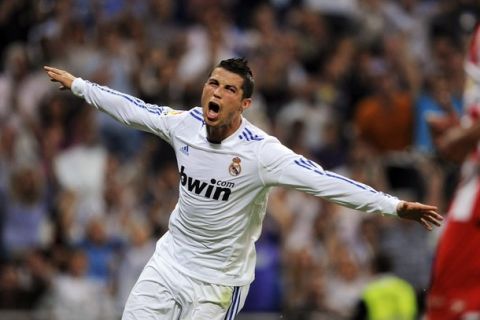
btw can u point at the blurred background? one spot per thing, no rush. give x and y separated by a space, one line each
347 83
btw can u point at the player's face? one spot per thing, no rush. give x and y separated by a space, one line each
223 102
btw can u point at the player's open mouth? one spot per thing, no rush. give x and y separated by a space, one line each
213 111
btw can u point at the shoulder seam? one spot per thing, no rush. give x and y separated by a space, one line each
173 128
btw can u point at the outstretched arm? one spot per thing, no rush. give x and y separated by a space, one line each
281 166
125 108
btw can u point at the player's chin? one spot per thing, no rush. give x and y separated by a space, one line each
212 122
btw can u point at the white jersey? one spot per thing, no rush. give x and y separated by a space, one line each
224 187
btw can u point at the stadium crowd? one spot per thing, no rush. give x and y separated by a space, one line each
347 83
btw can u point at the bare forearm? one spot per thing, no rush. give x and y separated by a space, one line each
457 142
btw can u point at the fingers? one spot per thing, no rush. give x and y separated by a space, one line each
426 224
53 76
61 76
426 215
54 73
434 218
429 219
421 206
436 215
52 69
405 207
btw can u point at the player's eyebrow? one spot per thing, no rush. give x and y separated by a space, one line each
231 86
227 86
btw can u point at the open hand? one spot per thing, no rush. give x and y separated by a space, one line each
426 215
61 76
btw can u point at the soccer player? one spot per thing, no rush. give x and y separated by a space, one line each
203 265
455 288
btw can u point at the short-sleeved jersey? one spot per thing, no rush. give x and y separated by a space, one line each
224 186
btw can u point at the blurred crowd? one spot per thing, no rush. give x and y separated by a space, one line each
347 83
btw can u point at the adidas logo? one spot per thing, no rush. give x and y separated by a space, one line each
184 149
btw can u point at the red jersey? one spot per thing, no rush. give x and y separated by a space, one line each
455 289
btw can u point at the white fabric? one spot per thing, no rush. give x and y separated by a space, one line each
219 215
179 297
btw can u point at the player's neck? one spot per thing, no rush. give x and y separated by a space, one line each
220 133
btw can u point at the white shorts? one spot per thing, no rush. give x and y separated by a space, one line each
161 292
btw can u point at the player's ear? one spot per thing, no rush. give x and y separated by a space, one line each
246 103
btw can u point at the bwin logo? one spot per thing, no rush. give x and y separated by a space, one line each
210 191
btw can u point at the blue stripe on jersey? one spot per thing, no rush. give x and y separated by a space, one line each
308 163
154 108
253 137
312 166
139 103
231 313
196 116
360 185
249 133
301 165
198 112
249 136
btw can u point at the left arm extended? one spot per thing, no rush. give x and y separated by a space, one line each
282 167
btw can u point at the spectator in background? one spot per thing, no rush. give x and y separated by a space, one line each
139 249
13 296
76 296
25 216
392 109
21 90
117 64
89 158
391 103
411 18
344 283
386 296
266 294
400 240
211 37
435 100
101 251
25 283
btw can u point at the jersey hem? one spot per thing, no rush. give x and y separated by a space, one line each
165 257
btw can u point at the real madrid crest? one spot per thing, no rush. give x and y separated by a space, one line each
235 168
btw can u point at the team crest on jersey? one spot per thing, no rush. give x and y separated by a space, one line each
235 168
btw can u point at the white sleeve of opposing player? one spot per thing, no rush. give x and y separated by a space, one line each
127 109
280 166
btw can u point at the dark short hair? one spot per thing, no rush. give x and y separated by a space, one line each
240 66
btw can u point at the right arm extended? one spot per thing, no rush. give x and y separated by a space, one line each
127 109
